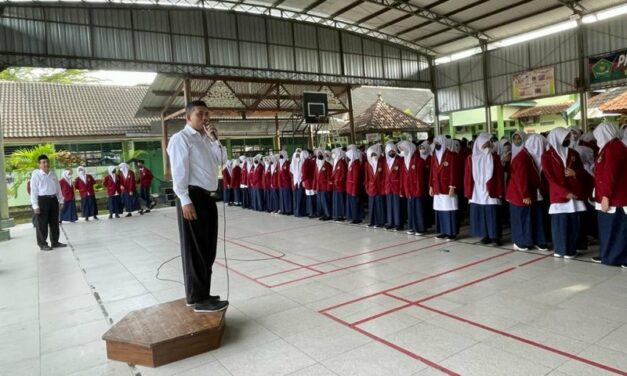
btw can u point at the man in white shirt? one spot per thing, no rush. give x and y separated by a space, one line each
196 156
46 199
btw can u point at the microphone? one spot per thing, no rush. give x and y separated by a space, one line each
212 134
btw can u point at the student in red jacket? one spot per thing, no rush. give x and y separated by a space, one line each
414 184
524 196
257 183
340 169
236 182
298 191
610 190
112 183
374 181
227 188
307 175
273 190
323 185
443 186
145 180
84 183
266 186
285 184
354 212
244 182
484 187
392 188
425 152
129 190
68 213
569 185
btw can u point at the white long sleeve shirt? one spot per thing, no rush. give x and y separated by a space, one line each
42 184
195 160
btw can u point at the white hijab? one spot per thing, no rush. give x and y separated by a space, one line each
407 151
427 151
389 147
67 176
441 140
482 162
353 155
605 133
574 143
80 171
113 176
587 158
338 154
624 131
517 149
455 146
373 162
536 146
285 156
229 166
124 168
274 159
295 166
242 159
555 140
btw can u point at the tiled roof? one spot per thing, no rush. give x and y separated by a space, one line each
541 110
382 117
600 99
617 104
39 110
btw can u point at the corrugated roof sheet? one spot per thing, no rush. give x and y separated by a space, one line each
38 109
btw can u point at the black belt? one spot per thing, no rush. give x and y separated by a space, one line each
47 196
194 188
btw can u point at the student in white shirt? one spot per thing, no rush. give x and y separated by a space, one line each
46 199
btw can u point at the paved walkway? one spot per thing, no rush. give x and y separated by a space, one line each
314 298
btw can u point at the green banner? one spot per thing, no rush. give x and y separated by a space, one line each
608 67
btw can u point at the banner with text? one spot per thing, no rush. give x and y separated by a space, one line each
534 83
608 67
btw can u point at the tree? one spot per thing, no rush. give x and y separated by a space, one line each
17 74
64 76
22 162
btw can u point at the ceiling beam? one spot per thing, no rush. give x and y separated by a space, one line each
574 5
458 10
394 21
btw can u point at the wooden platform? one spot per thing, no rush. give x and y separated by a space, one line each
163 334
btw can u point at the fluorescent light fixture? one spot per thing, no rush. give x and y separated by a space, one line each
612 12
562 26
589 18
465 53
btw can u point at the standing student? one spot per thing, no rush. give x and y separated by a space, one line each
252 181
525 197
285 184
227 188
129 190
392 188
568 186
68 213
145 180
296 168
589 216
236 181
484 188
414 187
266 185
425 152
244 182
354 210
46 199
374 181
323 185
84 183
258 174
518 142
274 184
308 169
195 155
443 183
340 170
611 196
114 202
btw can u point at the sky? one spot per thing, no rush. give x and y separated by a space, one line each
122 78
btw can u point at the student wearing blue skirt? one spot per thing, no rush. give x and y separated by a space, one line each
298 191
68 212
112 183
84 183
340 169
374 181
285 184
443 187
354 210
392 188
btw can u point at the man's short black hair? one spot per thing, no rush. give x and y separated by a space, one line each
190 106
42 157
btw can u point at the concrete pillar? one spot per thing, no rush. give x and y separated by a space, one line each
5 221
500 121
451 126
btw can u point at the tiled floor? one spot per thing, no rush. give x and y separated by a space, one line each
314 298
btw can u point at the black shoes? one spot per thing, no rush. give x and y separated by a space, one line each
45 247
497 242
355 222
211 306
59 245
441 236
96 218
486 240
211 298
117 216
128 215
596 260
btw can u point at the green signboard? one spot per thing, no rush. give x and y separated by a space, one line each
608 67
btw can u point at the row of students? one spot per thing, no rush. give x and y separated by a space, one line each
121 186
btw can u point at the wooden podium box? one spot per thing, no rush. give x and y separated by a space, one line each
164 333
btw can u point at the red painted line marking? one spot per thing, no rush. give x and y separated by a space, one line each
527 341
281 272
242 274
417 281
395 347
535 260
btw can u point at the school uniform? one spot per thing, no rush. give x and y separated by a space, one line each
85 185
374 180
244 185
414 186
354 187
307 177
274 186
258 191
443 177
114 202
298 190
128 190
392 190
564 211
68 212
267 188
484 187
611 182
285 186
227 192
236 182
340 170
145 180
323 185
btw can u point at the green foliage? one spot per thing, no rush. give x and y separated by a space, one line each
65 76
22 162
17 74
133 155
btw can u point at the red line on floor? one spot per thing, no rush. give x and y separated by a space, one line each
395 347
535 260
242 274
527 341
417 281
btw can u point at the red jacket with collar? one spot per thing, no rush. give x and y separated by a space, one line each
244 174
559 185
375 180
496 184
353 178
267 178
393 182
67 190
113 187
285 175
226 179
415 179
85 188
127 184
256 180
610 174
275 178
339 176
323 178
236 176
524 180
145 177
307 173
445 174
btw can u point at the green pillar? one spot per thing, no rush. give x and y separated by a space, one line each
128 148
5 221
451 126
500 122
229 148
